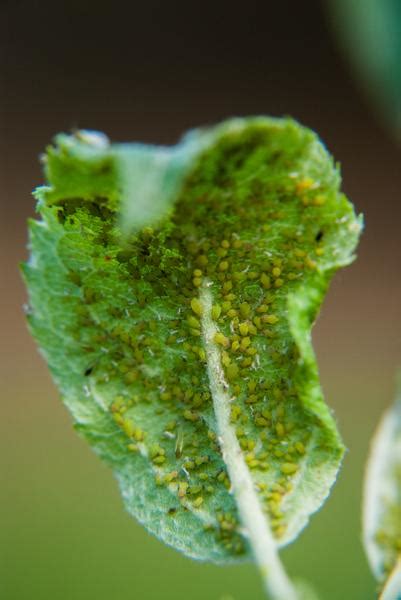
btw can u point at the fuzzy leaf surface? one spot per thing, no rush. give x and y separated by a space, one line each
254 209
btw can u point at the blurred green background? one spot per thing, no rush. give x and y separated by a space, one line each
147 72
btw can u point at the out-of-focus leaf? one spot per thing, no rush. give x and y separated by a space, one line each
392 588
382 504
371 33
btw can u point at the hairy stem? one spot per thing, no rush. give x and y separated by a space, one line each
254 520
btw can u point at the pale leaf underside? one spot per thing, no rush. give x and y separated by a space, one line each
382 504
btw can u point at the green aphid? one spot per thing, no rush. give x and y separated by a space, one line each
179 443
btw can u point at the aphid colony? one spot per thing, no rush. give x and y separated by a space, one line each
256 241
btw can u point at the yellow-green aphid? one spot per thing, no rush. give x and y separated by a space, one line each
196 306
179 443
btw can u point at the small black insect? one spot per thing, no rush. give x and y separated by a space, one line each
319 236
88 371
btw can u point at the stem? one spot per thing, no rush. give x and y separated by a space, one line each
254 520
393 584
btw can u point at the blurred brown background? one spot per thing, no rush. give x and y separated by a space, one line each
148 71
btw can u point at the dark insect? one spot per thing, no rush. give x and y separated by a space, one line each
319 236
88 371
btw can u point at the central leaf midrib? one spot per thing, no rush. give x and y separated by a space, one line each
254 520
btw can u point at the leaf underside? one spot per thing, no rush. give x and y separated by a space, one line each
257 211
382 504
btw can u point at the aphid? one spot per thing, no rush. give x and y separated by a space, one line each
179 443
216 311
289 468
94 138
190 415
221 339
196 306
265 280
193 322
182 489
243 329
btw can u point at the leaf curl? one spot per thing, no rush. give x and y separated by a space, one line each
253 207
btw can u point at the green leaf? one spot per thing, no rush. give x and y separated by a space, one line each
382 504
146 297
371 33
